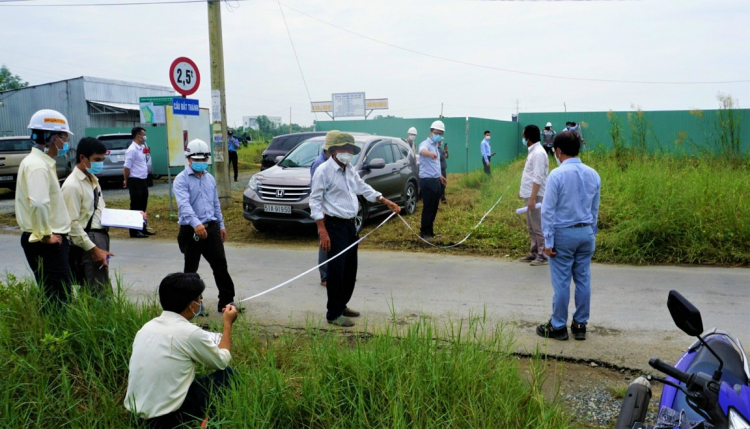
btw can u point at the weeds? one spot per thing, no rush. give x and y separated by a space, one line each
69 369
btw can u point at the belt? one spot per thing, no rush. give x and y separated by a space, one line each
104 230
429 178
579 225
338 219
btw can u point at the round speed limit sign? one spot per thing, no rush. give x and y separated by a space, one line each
184 75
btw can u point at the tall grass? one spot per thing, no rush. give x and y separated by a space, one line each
69 369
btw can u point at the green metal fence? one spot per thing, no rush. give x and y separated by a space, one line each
679 132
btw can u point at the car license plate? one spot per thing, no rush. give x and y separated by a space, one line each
10 179
272 208
119 158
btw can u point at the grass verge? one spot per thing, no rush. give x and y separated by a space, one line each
69 369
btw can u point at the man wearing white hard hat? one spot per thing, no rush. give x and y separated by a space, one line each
40 209
430 178
411 139
548 136
202 230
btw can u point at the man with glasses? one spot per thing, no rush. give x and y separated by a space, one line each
162 388
202 230
40 210
430 178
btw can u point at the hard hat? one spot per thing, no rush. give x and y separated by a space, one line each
549 124
342 139
197 149
412 130
330 136
438 125
49 120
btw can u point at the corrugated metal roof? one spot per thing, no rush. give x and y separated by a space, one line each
124 106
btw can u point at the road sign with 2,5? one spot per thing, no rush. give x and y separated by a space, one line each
184 75
185 106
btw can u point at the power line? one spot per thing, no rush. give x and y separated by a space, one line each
296 57
509 70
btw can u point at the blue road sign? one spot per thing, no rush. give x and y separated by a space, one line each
185 106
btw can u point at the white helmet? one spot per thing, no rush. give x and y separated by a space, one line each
49 120
549 124
438 125
197 148
412 130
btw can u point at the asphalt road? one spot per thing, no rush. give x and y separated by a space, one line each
629 319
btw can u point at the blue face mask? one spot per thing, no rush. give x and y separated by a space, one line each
523 142
200 309
437 138
96 167
200 167
62 152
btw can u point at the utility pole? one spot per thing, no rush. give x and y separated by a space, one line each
218 104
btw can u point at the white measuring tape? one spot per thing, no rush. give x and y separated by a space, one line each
365 236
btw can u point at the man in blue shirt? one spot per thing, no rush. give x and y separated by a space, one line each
430 179
202 231
233 147
569 214
323 157
487 154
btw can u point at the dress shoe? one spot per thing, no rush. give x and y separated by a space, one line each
138 234
348 312
147 232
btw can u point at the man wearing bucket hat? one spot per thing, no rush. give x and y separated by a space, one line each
40 209
202 231
334 205
323 157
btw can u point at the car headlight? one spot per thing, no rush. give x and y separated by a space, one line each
253 183
736 421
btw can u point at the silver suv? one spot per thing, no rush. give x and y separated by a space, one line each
280 195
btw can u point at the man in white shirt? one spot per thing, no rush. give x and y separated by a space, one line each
533 184
161 384
89 254
135 173
334 205
40 209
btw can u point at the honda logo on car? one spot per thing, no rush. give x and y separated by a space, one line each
279 193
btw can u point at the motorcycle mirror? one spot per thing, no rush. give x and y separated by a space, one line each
685 315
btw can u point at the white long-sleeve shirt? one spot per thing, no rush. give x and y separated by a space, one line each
136 161
334 191
162 365
40 208
536 171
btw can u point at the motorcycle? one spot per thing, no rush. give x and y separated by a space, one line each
706 388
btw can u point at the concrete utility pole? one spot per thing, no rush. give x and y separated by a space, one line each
218 104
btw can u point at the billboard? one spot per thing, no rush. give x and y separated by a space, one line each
348 104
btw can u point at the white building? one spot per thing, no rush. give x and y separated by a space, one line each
251 122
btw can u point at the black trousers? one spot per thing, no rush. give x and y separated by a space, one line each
195 406
138 197
430 202
342 271
233 162
51 268
486 167
444 173
213 250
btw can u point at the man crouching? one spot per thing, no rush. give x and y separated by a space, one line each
162 388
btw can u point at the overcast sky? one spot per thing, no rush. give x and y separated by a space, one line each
645 41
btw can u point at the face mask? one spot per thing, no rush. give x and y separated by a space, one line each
144 139
344 158
199 167
437 138
200 309
411 137
523 142
61 152
96 167
487 138
557 159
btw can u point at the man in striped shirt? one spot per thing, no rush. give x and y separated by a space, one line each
334 205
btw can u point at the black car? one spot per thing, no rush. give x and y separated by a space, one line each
281 195
281 145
